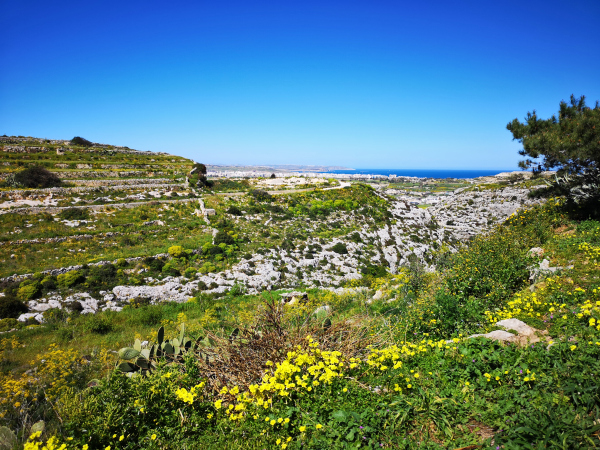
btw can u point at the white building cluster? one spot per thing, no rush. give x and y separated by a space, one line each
337 176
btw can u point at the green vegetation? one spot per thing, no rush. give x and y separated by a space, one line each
37 177
81 142
397 372
569 143
385 363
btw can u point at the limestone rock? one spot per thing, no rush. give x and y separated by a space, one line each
525 334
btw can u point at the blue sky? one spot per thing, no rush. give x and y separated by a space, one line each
378 84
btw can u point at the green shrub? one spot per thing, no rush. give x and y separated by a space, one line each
37 177
155 264
8 324
77 140
148 315
177 251
190 272
56 316
49 282
103 275
121 263
75 307
29 289
260 195
223 237
339 248
74 214
355 237
11 308
234 210
128 241
170 269
98 323
69 279
214 250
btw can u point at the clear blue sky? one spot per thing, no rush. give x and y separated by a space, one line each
375 84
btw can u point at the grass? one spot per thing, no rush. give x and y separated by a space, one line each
374 374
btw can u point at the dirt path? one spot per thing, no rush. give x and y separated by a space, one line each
290 191
58 209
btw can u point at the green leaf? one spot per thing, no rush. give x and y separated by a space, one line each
161 335
340 416
128 353
181 333
38 426
234 334
127 367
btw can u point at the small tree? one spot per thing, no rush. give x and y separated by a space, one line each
569 143
273 176
77 140
260 195
199 170
37 177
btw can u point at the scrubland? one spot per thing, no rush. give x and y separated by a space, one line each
397 372
374 349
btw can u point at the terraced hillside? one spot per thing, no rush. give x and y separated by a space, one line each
102 243
89 162
423 313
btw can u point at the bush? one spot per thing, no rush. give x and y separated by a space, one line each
177 251
77 140
234 210
8 324
75 307
74 214
168 269
339 248
56 316
355 237
103 275
69 279
190 272
29 289
155 264
37 177
128 241
223 237
214 250
148 315
97 323
260 195
10 288
11 308
49 283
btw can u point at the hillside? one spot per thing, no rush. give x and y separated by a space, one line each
291 312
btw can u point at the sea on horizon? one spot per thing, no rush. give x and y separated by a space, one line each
426 173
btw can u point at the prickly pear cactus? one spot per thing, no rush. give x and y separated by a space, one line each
137 359
38 426
129 353
7 438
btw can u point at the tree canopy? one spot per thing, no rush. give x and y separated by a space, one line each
37 177
77 140
569 143
199 168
